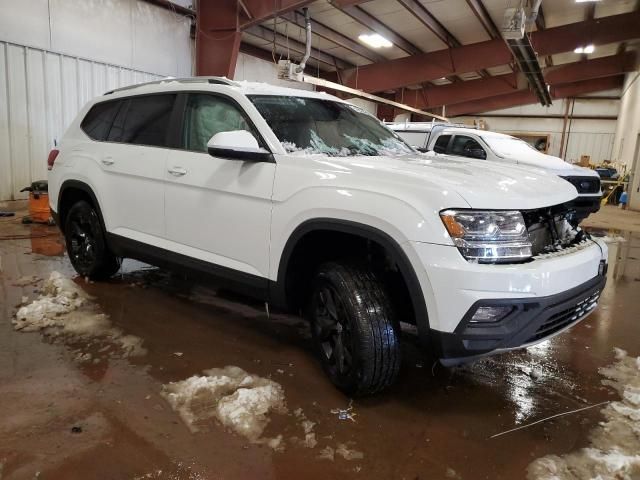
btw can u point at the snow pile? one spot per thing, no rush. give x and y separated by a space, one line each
64 309
614 450
238 400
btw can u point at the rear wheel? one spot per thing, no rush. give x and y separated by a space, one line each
353 329
86 244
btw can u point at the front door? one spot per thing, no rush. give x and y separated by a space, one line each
217 210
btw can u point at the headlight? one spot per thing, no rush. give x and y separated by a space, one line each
488 236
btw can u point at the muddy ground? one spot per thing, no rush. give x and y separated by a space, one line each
80 408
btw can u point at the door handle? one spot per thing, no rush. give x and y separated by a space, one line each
108 161
177 171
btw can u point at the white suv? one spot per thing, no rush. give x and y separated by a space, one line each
311 204
498 147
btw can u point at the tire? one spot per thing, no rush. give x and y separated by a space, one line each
353 328
86 244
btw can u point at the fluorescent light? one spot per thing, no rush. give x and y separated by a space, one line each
585 1
375 41
587 49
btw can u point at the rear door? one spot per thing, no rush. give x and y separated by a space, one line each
217 210
132 161
442 144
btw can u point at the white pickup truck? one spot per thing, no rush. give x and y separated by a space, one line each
498 147
309 203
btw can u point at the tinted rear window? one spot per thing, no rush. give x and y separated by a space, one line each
441 144
143 120
98 120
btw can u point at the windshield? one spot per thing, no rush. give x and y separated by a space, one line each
312 125
509 146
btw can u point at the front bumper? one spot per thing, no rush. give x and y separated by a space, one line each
532 320
453 287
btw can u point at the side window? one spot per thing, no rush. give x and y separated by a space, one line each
143 120
467 147
207 115
98 120
441 144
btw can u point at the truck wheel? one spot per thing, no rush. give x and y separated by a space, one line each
353 329
86 244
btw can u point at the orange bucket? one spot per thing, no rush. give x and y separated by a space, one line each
39 207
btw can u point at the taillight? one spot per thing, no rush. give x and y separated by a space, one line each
53 154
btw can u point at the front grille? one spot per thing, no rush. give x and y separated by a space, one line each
585 184
550 231
566 317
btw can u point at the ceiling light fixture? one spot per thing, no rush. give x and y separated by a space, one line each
587 49
585 1
375 40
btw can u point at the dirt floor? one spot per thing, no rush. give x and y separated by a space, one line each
83 406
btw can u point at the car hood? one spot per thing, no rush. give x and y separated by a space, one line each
550 163
490 185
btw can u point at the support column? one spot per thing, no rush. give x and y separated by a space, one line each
217 37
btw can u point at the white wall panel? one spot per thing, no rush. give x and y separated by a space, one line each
131 33
6 172
40 95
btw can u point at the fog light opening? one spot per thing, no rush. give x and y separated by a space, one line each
491 313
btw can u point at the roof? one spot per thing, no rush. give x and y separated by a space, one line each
244 87
480 133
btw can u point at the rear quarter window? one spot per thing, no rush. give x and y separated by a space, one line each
98 120
143 120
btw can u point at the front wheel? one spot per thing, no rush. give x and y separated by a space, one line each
86 243
353 329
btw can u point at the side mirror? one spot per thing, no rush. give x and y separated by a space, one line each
238 145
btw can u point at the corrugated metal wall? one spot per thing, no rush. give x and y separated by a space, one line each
599 146
40 94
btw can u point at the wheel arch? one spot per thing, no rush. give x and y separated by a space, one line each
279 294
72 191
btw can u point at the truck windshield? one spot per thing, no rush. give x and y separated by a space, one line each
315 126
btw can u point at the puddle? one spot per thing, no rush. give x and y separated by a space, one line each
614 448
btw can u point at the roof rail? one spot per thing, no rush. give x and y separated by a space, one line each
211 80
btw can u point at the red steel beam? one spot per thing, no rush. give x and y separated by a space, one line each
335 37
347 3
524 97
423 67
566 90
420 68
589 69
217 37
436 96
599 31
257 11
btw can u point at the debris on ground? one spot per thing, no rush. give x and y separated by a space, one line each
310 440
342 450
76 429
347 453
26 281
64 310
178 354
612 239
346 413
614 450
238 400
